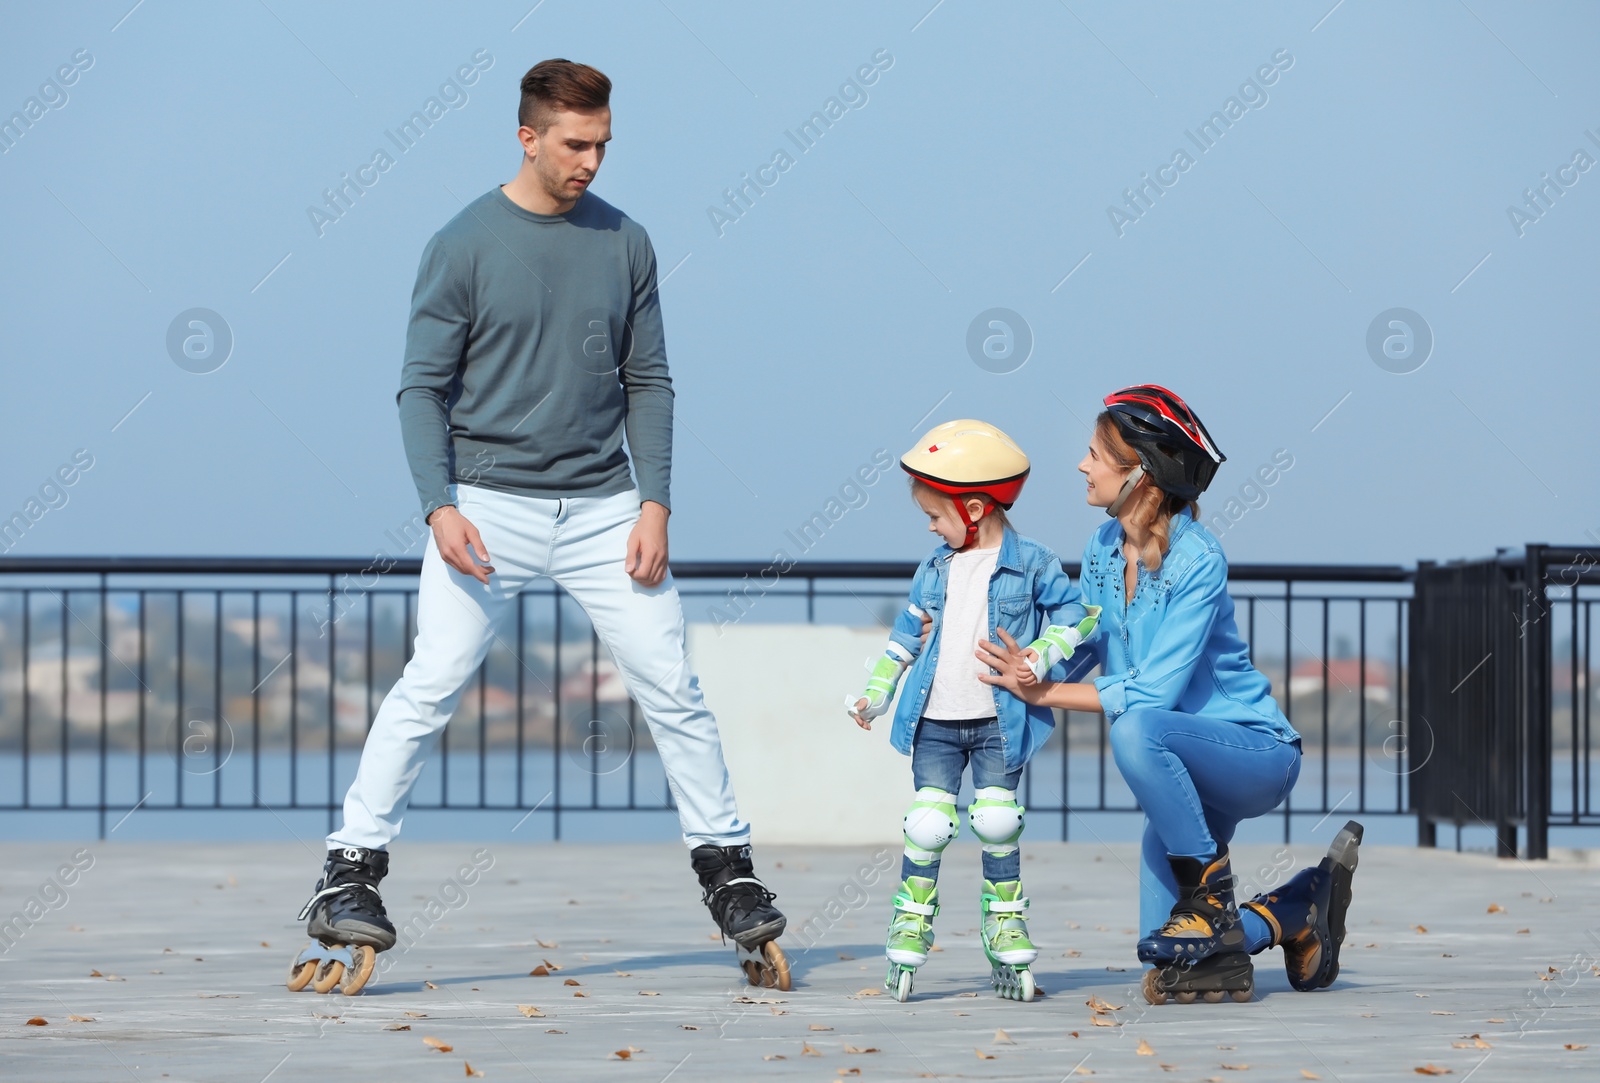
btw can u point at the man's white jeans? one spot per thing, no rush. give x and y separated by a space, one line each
579 542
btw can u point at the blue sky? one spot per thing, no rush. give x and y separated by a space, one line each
1368 161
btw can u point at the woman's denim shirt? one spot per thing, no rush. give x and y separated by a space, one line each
1177 647
1028 592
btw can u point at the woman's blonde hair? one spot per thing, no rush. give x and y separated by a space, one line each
922 488
1149 508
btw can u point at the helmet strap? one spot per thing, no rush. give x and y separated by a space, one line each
1127 490
970 523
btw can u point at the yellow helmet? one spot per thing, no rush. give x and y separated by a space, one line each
969 458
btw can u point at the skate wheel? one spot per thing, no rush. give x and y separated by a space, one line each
1026 988
1243 996
328 975
355 980
1214 996
1185 997
776 973
1152 988
300 974
752 972
902 987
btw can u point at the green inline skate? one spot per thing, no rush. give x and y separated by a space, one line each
910 933
1005 940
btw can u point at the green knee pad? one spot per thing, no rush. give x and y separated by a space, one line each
996 819
930 825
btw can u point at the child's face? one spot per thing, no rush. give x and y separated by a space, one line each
943 518
1104 476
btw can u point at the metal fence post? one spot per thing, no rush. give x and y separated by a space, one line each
1536 657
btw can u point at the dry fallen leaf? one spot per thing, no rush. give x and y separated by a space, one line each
847 1071
1496 908
648 993
580 993
397 1026
819 1026
627 1054
1305 1074
1433 1069
686 1026
530 1011
1419 928
777 1011
1235 1067
1524 932
81 1018
860 1049
572 981
1100 1007
540 971
430 985
623 974
1575 1046
1494 1020
807 1051
547 944
871 992
437 1044
38 1021
1143 1049
1001 1037
554 1031
415 1015
472 1073
1102 1021
1436 1011
846 955
984 1056
774 1056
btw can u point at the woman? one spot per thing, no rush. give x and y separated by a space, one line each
1194 728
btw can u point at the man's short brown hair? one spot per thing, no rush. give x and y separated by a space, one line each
553 85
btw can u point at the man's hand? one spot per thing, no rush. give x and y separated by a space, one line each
646 559
459 543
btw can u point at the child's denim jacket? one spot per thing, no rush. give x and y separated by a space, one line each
1028 592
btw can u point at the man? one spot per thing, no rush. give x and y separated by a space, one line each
535 345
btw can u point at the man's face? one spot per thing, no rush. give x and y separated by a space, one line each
569 153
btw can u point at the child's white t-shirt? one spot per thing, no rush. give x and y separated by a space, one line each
957 694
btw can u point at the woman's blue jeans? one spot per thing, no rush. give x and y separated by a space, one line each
1196 779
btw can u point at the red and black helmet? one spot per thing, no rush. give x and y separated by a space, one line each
1172 444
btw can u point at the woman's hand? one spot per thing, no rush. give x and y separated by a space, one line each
927 627
1014 674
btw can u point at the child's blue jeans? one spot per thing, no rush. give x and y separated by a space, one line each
940 752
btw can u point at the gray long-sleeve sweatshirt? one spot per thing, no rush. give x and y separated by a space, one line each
535 344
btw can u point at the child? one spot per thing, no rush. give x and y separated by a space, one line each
984 577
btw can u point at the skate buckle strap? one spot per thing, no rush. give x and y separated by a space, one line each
336 889
999 907
911 906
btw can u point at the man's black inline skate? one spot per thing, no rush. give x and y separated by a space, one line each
1200 951
742 908
347 923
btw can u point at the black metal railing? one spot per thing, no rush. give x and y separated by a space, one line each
248 684
1504 708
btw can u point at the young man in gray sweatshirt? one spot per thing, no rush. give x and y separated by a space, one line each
535 346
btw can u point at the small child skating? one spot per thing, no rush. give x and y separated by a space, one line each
983 577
